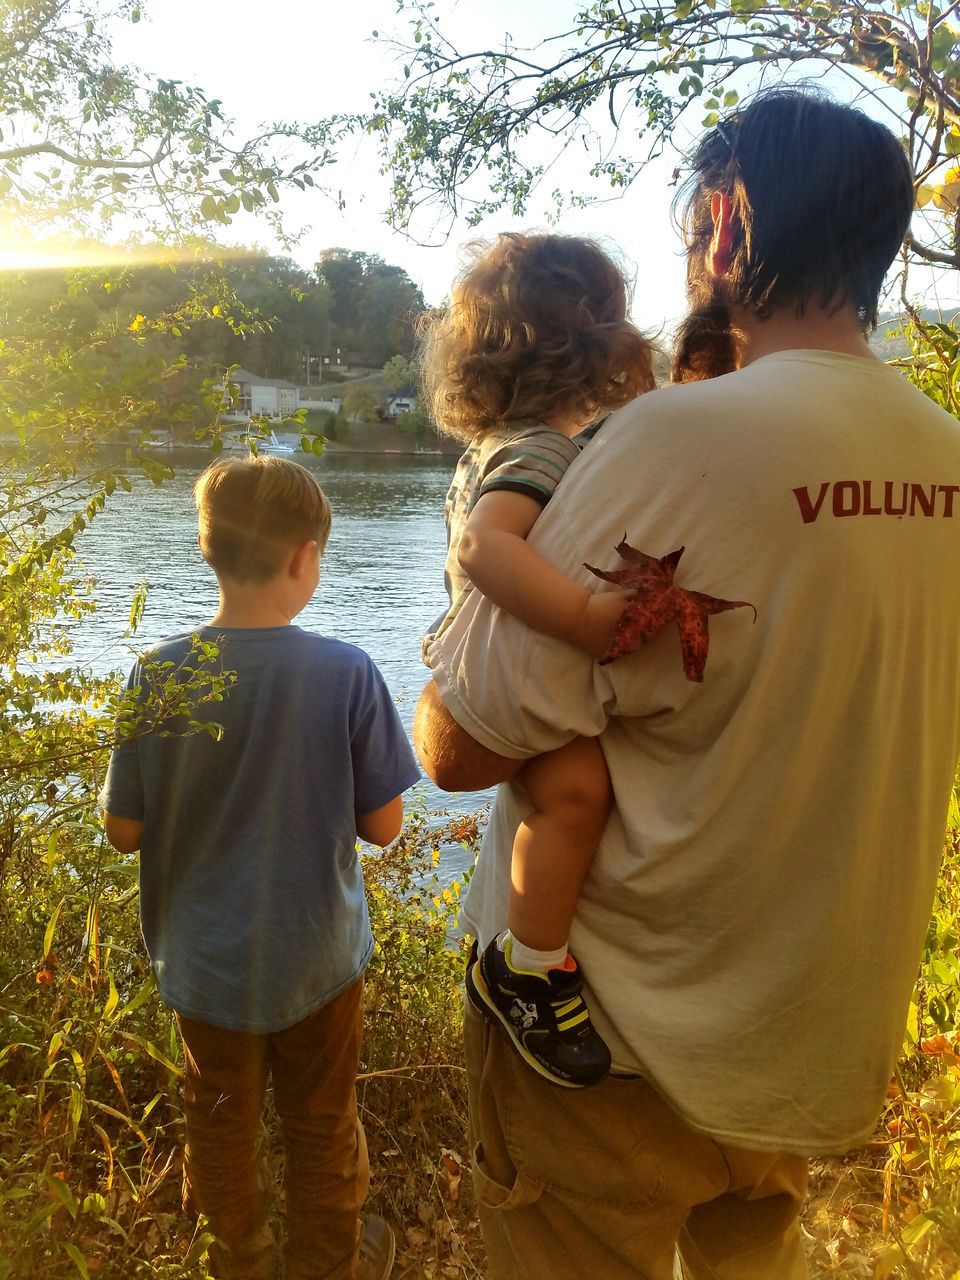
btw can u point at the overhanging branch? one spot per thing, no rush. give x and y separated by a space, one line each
932 255
81 162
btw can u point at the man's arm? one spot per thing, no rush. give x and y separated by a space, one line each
454 760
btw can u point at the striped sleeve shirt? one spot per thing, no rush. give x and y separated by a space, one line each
521 457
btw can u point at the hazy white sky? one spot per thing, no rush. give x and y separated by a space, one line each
294 59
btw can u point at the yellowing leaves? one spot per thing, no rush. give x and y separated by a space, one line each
945 196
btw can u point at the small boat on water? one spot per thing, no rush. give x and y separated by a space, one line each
268 443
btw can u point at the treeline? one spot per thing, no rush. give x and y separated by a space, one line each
193 318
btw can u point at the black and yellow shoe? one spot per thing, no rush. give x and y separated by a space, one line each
543 1014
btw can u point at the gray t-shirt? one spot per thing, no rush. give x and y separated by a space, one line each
251 893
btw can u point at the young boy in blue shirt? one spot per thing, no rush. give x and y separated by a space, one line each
251 893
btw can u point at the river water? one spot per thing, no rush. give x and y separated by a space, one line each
381 583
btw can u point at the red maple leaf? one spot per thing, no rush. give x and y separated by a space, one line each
657 602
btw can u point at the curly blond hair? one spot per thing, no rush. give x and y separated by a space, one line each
536 329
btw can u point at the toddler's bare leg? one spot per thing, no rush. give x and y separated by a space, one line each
570 792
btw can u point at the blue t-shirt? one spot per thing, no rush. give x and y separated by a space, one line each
251 893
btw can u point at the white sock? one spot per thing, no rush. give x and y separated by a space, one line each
534 961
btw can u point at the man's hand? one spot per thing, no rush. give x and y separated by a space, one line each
454 760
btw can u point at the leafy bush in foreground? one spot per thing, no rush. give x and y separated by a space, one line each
90 1122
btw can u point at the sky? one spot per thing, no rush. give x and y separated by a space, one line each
310 61
296 60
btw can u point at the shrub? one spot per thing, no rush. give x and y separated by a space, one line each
90 1119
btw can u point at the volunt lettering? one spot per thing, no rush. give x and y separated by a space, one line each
877 498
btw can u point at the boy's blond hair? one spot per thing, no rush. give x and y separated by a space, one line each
254 512
536 328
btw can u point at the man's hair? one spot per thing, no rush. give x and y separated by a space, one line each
821 196
536 327
253 512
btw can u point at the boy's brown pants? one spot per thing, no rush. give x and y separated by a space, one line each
313 1066
608 1182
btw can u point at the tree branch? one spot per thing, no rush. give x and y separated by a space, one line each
81 162
931 255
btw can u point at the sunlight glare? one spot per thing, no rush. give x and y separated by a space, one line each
18 253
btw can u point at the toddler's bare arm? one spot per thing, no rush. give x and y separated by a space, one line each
496 557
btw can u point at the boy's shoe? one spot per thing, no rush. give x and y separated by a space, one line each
377 1249
543 1014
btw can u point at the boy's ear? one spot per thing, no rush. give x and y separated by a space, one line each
301 559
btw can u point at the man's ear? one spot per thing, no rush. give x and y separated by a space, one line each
301 559
720 253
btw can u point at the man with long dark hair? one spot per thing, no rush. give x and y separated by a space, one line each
751 925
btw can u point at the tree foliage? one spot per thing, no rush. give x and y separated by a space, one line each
361 404
399 373
417 424
374 306
86 140
479 129
473 130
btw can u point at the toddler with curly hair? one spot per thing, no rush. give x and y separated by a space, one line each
534 347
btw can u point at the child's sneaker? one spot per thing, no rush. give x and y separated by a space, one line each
543 1013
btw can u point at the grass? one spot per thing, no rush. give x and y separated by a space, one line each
91 1170
91 1175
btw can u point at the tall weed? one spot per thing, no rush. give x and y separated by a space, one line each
91 1177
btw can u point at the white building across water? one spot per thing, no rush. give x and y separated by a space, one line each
261 397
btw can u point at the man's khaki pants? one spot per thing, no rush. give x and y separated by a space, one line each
313 1066
607 1183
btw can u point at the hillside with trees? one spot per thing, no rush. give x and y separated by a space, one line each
196 317
374 306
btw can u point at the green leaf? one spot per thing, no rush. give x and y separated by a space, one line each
94 1204
152 1051
113 999
52 928
76 1257
197 1249
141 997
63 1192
